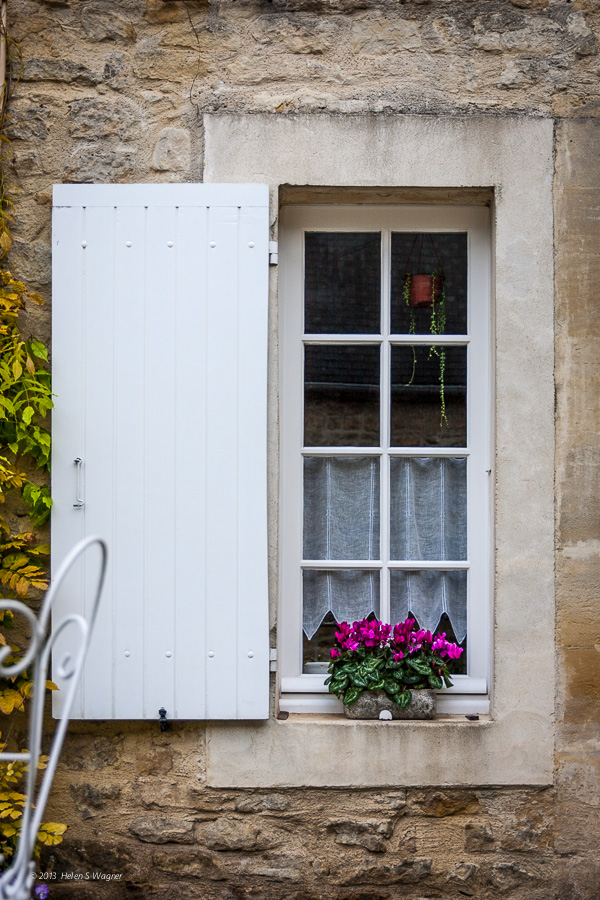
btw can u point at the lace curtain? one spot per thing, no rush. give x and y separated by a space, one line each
428 522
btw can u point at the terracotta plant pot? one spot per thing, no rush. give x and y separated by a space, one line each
370 704
424 290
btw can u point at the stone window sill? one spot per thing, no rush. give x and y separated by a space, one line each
340 719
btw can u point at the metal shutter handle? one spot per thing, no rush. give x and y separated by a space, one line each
78 500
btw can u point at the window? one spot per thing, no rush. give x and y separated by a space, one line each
385 415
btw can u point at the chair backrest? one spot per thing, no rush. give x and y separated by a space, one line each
15 881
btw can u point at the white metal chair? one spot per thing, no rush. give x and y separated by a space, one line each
16 881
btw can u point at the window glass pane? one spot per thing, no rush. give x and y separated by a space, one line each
341 395
422 414
428 595
341 508
342 282
348 594
315 653
428 508
426 254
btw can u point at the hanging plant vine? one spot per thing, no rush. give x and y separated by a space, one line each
437 320
25 400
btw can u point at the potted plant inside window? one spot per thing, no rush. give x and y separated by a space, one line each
422 290
384 672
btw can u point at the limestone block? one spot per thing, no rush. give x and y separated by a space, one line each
188 863
102 24
32 260
172 152
154 760
298 34
92 118
30 123
27 163
114 70
582 35
372 38
252 803
439 804
159 830
478 837
518 73
63 70
507 877
371 834
462 873
84 855
96 162
273 873
530 4
90 799
406 871
235 834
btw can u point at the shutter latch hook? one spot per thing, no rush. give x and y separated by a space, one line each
164 725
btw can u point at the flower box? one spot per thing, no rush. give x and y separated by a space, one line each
371 705
380 671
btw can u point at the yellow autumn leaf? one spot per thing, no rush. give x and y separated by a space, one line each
5 242
10 700
51 686
53 827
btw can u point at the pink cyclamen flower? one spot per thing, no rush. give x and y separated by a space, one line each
335 653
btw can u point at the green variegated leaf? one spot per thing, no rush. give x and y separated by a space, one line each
391 687
419 666
404 699
351 696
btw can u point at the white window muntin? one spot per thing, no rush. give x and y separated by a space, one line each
295 222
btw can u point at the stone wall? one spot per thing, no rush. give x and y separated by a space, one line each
116 92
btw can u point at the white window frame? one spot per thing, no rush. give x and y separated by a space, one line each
307 692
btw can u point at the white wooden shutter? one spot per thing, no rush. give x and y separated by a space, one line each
160 366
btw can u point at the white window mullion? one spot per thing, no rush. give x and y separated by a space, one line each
479 466
385 412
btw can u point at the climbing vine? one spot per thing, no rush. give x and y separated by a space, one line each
25 400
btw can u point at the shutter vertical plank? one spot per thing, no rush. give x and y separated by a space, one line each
221 463
251 430
99 459
128 549
160 369
158 450
68 431
190 465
